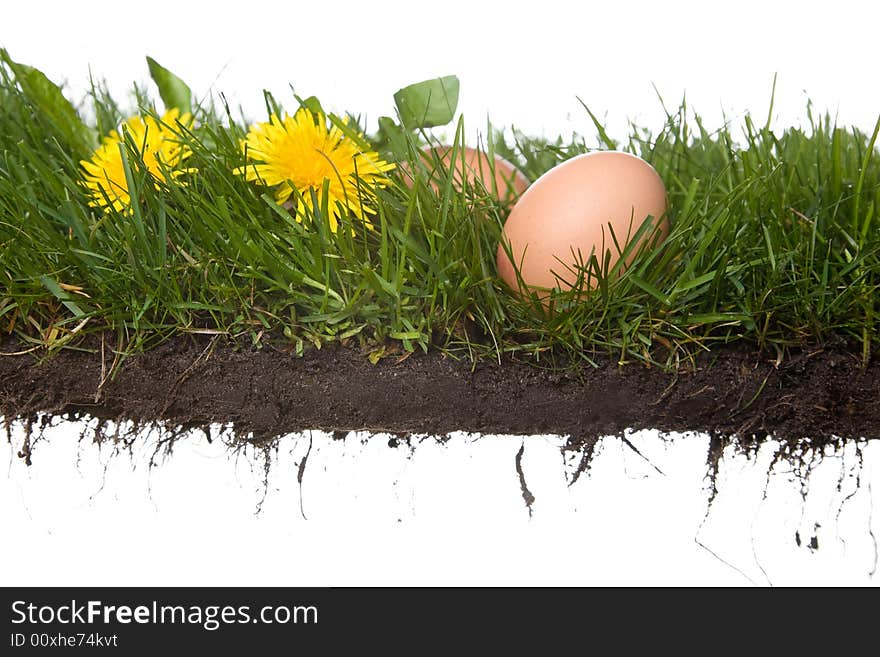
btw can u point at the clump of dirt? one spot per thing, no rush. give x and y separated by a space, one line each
820 393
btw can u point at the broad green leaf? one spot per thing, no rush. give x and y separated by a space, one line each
48 99
173 90
392 136
429 103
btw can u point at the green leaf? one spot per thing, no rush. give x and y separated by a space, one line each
607 141
173 90
312 104
650 289
197 305
836 163
392 136
405 335
50 101
50 284
716 318
429 103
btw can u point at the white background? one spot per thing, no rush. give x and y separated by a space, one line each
452 514
523 62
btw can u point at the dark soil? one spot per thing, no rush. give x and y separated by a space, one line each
819 393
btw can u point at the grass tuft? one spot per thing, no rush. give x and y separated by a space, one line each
774 240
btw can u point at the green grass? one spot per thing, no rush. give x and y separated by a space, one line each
774 240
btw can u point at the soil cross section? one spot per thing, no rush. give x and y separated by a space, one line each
819 393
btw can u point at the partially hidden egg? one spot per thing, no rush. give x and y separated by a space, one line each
568 213
498 176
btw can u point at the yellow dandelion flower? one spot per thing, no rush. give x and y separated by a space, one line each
159 147
301 153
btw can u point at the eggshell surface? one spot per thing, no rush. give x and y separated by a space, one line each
500 178
565 215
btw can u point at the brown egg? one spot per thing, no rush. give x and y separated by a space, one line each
508 182
564 217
